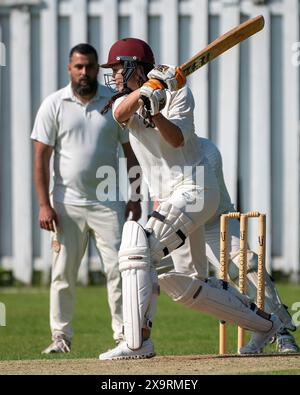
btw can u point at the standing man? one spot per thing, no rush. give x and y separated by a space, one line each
69 123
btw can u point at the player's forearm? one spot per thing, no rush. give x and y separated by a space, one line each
41 178
127 107
42 155
169 131
135 180
134 170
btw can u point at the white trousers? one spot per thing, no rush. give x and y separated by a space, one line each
76 225
197 264
191 257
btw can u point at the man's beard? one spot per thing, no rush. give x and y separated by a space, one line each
85 90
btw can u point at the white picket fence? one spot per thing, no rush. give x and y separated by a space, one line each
247 101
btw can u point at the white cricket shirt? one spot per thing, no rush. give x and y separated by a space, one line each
214 158
83 140
165 167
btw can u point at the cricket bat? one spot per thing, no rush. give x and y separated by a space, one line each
218 47
223 44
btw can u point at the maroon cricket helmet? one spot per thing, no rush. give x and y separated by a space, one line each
129 49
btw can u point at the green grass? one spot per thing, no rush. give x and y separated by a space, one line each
176 330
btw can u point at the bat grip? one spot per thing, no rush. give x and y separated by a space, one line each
145 103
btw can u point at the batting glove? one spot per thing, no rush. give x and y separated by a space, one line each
154 96
172 76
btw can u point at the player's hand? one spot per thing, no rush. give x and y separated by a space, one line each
153 95
133 207
172 76
47 216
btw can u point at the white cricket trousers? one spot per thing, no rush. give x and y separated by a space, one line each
76 225
191 257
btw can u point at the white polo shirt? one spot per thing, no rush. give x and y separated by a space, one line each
165 167
83 140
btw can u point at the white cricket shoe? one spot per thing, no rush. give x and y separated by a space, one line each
286 343
60 344
122 351
260 339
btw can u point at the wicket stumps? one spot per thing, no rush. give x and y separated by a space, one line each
224 258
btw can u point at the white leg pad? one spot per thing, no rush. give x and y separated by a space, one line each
273 303
168 230
206 297
137 288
